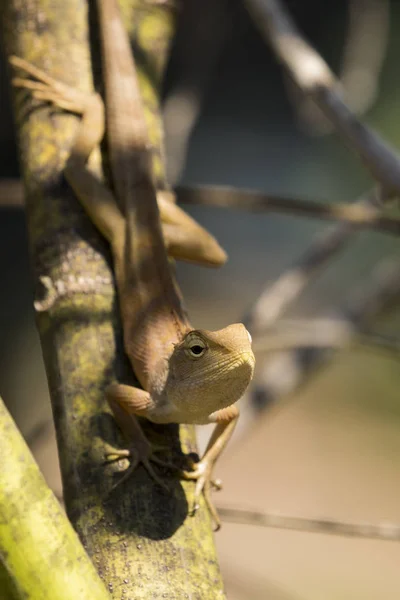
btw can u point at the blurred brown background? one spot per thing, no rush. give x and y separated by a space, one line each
332 450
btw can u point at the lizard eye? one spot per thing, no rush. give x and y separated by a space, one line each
196 348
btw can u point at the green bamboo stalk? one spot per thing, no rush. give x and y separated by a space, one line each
141 539
39 548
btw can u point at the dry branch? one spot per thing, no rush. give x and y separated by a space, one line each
313 76
389 532
366 216
363 57
362 214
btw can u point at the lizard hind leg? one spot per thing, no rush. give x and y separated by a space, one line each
47 88
88 105
184 238
94 196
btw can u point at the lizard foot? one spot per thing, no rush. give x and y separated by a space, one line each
140 450
141 454
48 89
202 474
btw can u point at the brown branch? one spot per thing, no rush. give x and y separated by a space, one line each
364 53
315 79
389 532
368 216
363 214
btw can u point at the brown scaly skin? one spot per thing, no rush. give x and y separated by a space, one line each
187 375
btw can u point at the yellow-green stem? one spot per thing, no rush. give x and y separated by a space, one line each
39 548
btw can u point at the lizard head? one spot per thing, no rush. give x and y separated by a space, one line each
208 371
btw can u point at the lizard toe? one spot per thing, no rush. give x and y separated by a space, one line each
202 474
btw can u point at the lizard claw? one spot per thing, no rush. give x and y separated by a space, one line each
46 88
144 456
201 473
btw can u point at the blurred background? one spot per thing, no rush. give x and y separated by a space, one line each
331 449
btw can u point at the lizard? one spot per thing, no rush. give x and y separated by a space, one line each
187 375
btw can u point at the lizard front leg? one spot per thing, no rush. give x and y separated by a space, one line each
226 420
126 402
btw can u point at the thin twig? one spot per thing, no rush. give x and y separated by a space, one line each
389 532
277 297
367 302
356 213
325 332
314 77
11 194
381 341
286 372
